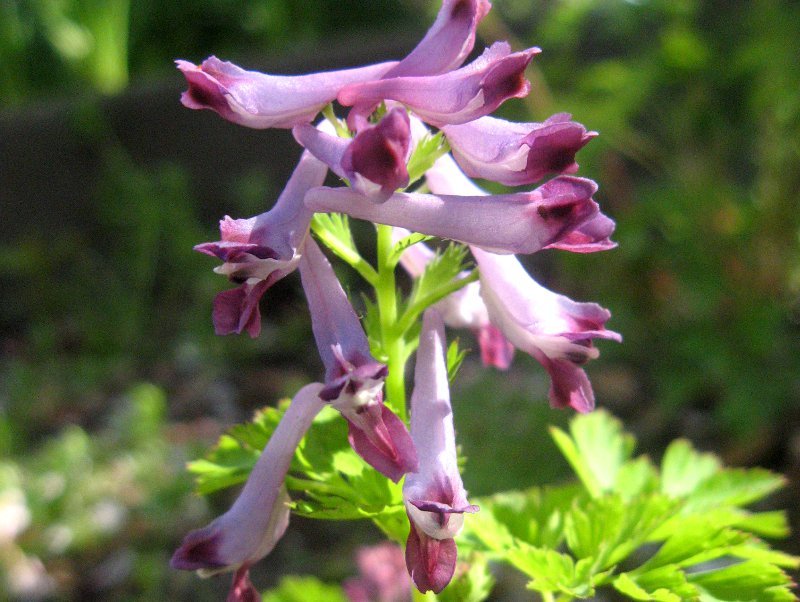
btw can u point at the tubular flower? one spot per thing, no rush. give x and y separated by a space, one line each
258 518
444 48
447 43
259 251
434 496
374 162
259 100
353 378
454 97
591 235
462 309
555 330
523 222
517 153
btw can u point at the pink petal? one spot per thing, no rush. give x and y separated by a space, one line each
523 222
554 329
496 349
374 162
455 97
258 251
382 439
353 379
259 516
379 155
236 310
431 562
447 43
242 590
434 496
259 100
517 153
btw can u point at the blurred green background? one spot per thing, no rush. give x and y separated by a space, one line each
111 377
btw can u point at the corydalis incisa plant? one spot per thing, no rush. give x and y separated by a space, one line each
385 145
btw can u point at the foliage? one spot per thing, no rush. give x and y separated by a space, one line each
679 531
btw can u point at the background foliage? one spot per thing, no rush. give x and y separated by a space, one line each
111 377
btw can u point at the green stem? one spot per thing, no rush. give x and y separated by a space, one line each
393 345
346 253
413 311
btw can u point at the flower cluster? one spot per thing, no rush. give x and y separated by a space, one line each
392 108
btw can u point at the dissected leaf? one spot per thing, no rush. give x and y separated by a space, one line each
597 450
302 589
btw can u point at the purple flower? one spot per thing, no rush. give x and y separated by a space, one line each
523 222
259 516
259 251
555 330
463 309
517 153
382 575
353 378
591 235
374 162
454 97
259 100
447 43
434 496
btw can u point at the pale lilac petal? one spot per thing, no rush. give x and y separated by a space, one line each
259 516
455 97
321 142
259 251
374 162
555 330
445 177
447 43
517 153
259 100
434 496
523 222
353 378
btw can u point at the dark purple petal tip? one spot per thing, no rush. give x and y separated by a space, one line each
198 551
384 444
431 562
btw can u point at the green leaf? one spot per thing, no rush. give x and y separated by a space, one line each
403 244
535 517
683 468
333 231
551 571
734 487
607 530
302 589
749 580
427 151
442 276
597 450
455 357
664 584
